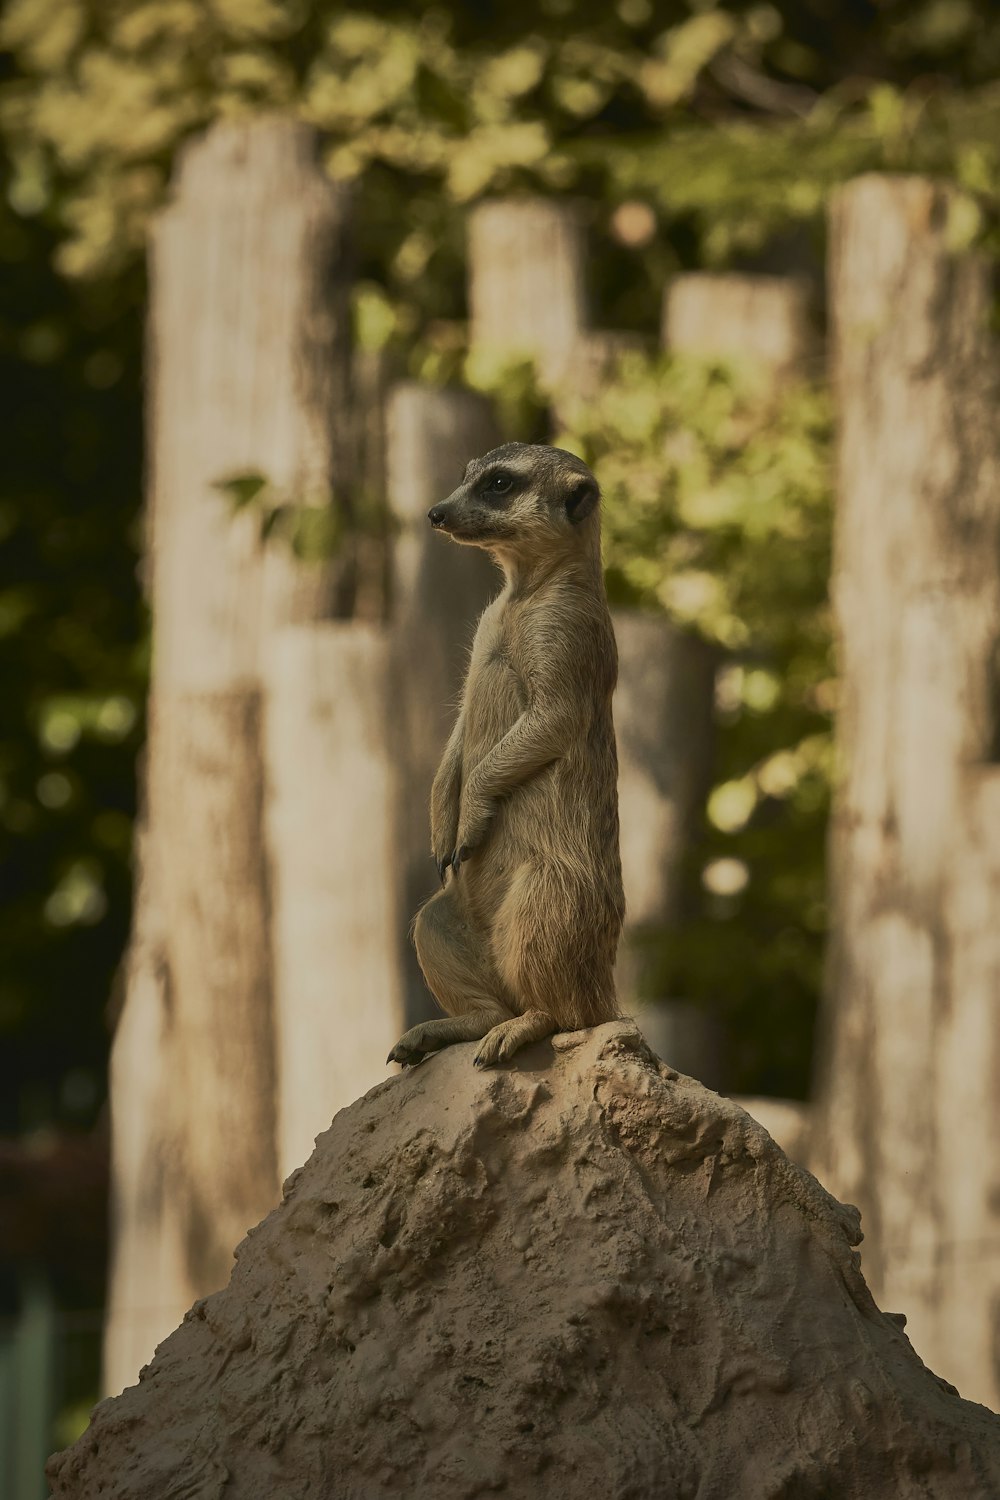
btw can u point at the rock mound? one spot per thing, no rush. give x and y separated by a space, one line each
583 1271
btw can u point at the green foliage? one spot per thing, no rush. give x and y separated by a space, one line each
746 181
717 511
243 489
713 490
113 92
522 409
313 527
72 666
756 107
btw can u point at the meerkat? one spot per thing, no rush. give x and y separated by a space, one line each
520 942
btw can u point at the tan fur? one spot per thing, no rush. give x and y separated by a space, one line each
521 941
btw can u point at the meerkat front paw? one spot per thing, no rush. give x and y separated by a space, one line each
444 842
472 830
444 830
451 861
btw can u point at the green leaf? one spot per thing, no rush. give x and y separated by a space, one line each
241 489
316 532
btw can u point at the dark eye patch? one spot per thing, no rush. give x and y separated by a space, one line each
497 485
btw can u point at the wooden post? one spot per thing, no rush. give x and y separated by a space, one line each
760 319
663 721
438 589
334 855
148 1281
372 375
909 1126
249 373
526 281
960 1321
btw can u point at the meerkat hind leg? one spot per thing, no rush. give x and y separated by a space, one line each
508 1037
460 976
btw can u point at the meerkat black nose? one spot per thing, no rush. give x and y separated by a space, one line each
436 515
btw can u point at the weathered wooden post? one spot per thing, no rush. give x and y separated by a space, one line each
248 373
333 846
527 292
438 590
763 320
909 1124
663 721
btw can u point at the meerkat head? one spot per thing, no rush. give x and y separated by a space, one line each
523 499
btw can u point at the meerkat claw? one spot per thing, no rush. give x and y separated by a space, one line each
407 1057
442 866
459 857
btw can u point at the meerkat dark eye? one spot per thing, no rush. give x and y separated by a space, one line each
497 486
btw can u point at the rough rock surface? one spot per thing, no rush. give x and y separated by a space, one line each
582 1271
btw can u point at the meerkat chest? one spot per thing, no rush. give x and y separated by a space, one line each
495 694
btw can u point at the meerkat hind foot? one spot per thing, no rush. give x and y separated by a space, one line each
500 1044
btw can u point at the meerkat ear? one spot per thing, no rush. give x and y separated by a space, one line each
582 498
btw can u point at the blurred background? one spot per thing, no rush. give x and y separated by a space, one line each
271 274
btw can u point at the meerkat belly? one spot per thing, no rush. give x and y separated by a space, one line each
548 818
567 813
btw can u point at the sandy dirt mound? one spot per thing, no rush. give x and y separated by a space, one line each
583 1271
